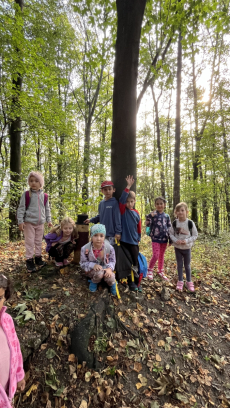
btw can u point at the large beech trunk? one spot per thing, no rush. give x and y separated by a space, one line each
123 145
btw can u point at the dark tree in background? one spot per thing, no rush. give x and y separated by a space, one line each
123 145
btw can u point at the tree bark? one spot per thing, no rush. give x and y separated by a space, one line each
15 146
176 189
123 145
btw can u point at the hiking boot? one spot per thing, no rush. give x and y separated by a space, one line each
92 287
30 265
133 287
39 261
113 289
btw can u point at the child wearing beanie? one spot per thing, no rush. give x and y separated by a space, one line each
98 259
32 213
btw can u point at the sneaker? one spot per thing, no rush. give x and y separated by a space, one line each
180 285
133 287
66 262
139 289
150 274
190 286
59 264
39 261
30 265
162 275
92 287
113 289
135 271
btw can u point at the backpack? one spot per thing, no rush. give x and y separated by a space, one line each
143 266
27 200
190 225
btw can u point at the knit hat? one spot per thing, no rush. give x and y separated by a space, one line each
38 176
107 184
97 229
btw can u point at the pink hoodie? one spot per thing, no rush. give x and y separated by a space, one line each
16 362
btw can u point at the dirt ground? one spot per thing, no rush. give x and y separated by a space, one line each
161 349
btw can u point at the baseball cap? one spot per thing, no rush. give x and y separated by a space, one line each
106 184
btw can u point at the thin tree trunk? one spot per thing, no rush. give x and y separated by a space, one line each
176 189
123 145
227 163
15 146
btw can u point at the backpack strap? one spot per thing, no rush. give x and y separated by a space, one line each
174 226
190 225
28 195
45 198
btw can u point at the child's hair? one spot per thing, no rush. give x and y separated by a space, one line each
66 220
178 207
5 283
160 198
132 195
38 176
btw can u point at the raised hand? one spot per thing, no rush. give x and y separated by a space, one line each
130 180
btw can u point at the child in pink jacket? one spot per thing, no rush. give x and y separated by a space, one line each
11 362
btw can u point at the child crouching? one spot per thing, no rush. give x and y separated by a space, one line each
98 259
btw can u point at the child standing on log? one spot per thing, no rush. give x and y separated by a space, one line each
11 362
33 212
183 234
131 228
108 213
98 259
159 224
61 241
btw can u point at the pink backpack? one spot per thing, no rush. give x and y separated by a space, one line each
28 199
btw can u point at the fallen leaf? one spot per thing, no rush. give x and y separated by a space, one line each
83 404
161 343
123 343
158 357
72 358
139 385
142 379
137 367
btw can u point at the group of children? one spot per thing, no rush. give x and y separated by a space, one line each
115 222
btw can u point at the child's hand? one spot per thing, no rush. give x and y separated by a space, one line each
21 385
87 221
21 226
108 273
117 237
130 180
153 213
182 242
97 267
50 224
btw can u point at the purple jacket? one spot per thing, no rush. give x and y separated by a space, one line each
50 239
16 362
88 259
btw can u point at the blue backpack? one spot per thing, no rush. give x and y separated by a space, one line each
143 266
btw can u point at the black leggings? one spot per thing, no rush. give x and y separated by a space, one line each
133 250
61 252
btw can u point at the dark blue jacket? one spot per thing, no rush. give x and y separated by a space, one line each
130 221
109 215
159 225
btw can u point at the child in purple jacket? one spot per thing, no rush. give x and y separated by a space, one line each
98 259
11 362
61 241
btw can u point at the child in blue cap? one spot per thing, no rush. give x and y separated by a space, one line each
98 259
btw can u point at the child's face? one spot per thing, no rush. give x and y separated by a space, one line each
34 183
181 214
108 192
2 298
98 240
160 205
130 203
67 229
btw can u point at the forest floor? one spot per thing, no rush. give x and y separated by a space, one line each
174 353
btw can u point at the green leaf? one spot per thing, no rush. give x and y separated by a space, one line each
50 353
28 315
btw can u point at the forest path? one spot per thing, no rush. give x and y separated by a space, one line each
180 342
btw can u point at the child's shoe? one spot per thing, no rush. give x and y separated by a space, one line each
133 287
162 275
139 288
150 274
180 285
30 265
66 262
190 286
113 289
92 286
39 261
59 264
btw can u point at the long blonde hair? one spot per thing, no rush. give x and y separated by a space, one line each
66 220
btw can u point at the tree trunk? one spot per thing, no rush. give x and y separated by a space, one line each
227 163
15 146
123 143
176 189
85 187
